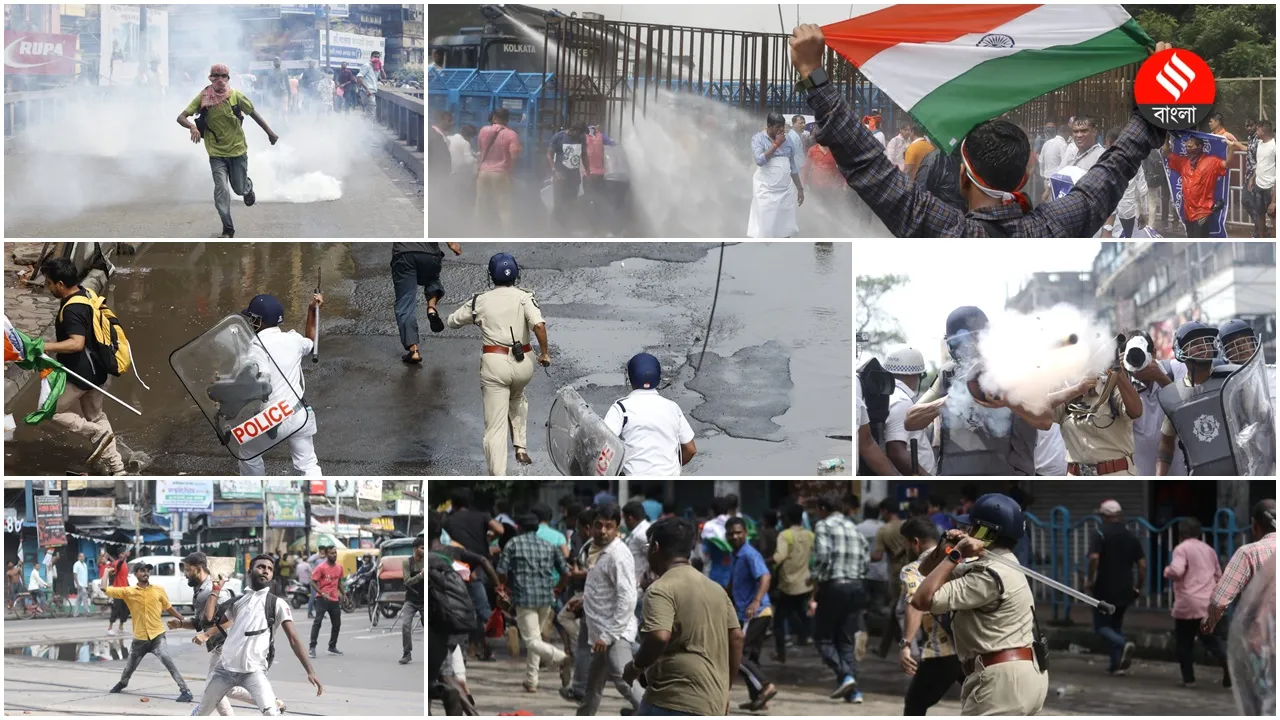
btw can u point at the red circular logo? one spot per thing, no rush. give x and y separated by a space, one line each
1174 77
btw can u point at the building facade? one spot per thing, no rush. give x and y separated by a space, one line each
1159 286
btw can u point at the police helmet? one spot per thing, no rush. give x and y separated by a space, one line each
994 516
1195 342
264 311
503 269
644 372
905 361
963 325
1238 340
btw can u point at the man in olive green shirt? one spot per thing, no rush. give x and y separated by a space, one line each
692 645
222 110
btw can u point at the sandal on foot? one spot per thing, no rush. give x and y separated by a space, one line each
433 317
523 458
408 358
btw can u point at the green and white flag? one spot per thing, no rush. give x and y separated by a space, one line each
955 66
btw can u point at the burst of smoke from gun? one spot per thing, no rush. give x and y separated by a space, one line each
125 147
1024 358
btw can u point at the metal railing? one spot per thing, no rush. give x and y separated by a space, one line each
27 108
402 112
1059 547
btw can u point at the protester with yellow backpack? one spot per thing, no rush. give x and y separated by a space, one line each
91 343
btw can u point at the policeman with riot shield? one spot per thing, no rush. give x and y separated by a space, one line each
245 375
1221 414
1239 342
980 434
654 429
506 315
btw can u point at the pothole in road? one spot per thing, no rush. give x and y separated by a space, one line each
82 652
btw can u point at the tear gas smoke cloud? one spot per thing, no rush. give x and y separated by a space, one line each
1025 357
121 145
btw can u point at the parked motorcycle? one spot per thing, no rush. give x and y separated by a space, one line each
297 594
356 591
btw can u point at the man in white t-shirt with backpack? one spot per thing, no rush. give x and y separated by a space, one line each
249 648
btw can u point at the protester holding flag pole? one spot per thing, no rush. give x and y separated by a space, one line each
951 88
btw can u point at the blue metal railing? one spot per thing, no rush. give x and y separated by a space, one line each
1059 547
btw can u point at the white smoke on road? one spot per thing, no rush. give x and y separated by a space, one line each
1026 357
114 146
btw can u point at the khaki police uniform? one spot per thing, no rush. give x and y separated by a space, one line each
1101 439
502 312
987 621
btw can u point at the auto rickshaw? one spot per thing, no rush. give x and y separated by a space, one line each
388 591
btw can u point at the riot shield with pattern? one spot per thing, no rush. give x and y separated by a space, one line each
240 389
579 442
1250 417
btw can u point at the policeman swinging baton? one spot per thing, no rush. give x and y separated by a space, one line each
1104 607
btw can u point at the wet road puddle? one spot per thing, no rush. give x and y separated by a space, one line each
82 652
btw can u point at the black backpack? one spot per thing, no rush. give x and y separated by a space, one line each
220 616
939 173
449 605
202 119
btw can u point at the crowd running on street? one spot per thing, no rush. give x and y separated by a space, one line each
673 607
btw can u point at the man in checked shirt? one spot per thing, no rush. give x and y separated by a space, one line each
994 156
839 565
1245 564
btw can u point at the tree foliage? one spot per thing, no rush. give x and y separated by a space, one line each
1236 40
877 327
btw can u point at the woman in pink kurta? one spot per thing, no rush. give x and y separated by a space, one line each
1195 571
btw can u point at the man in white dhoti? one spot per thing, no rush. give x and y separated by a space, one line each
773 198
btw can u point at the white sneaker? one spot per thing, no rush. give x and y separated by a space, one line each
112 632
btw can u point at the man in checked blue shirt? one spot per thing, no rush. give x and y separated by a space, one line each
527 565
994 159
840 561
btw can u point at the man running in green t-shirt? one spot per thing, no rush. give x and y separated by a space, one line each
223 109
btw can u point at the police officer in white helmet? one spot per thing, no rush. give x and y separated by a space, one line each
906 364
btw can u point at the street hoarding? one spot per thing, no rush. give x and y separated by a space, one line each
350 48
124 43
240 489
49 528
78 506
285 510
236 515
184 496
33 53
369 490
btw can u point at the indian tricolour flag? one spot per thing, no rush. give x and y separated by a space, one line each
954 66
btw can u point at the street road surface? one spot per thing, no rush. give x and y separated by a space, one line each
774 394
1150 689
67 666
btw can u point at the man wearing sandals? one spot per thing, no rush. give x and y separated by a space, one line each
417 265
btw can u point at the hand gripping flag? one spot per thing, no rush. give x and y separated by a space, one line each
28 354
955 66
